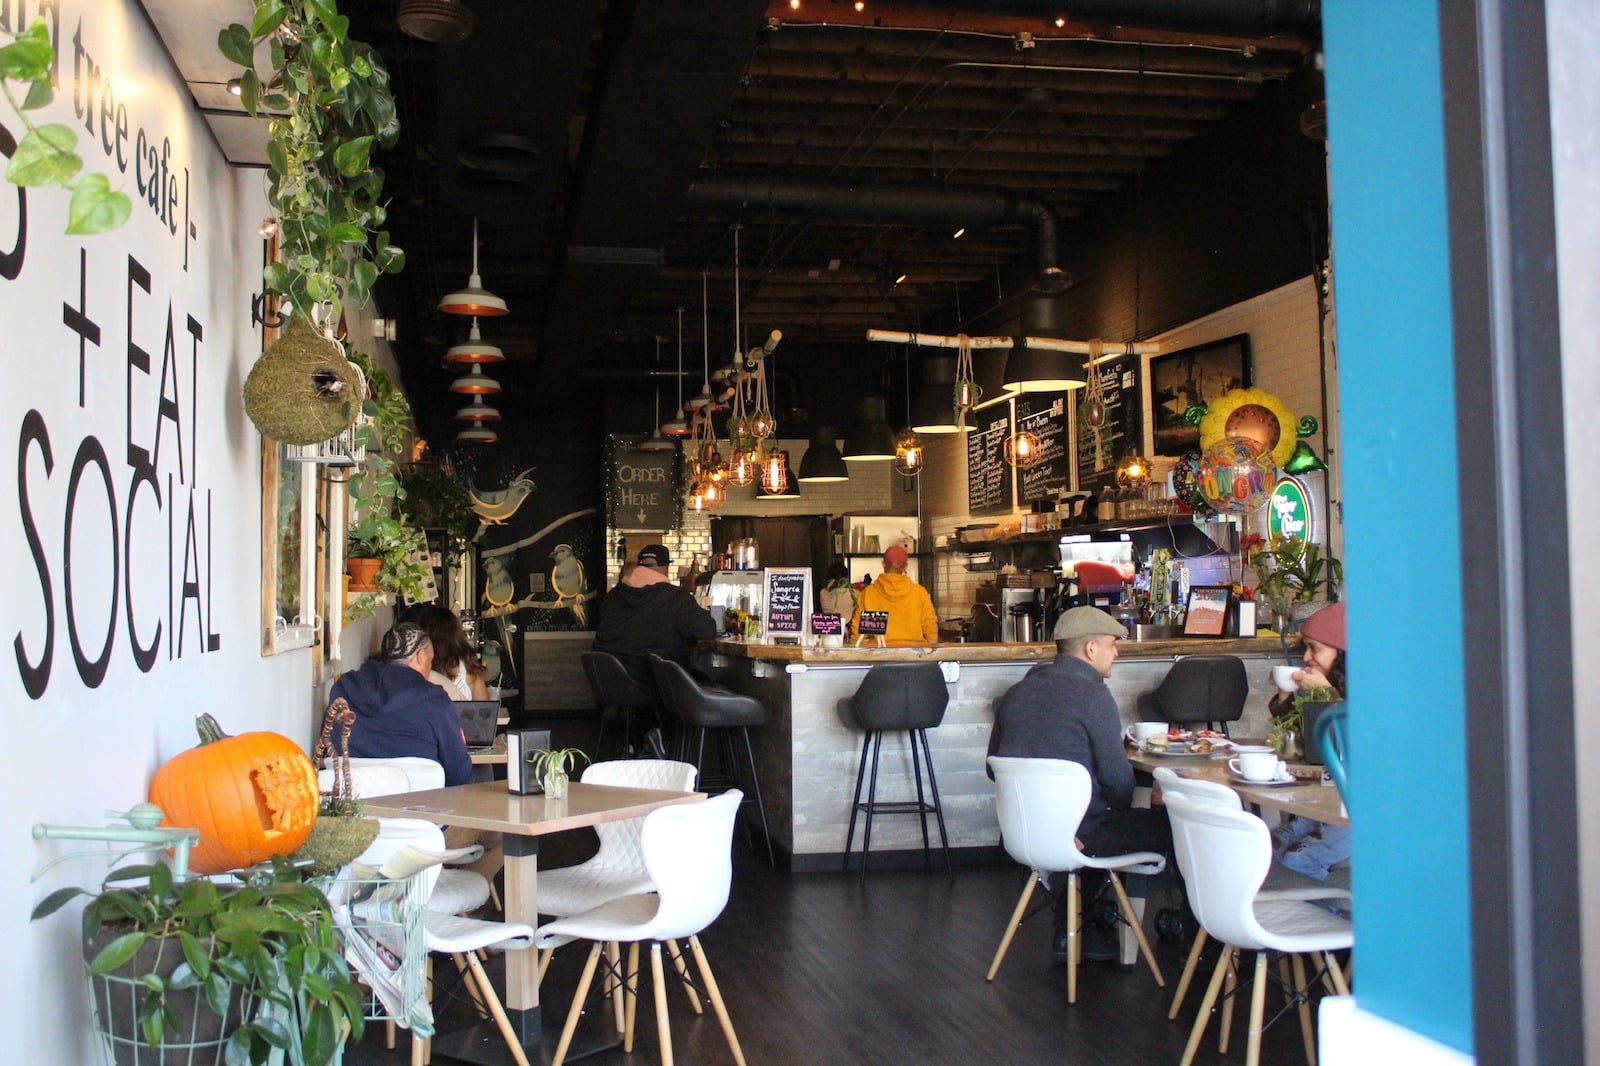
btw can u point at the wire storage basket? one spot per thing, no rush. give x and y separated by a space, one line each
116 1008
380 922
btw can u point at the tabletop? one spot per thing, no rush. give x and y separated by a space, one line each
1313 799
490 805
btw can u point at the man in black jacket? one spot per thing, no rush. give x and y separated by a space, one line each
1063 710
647 613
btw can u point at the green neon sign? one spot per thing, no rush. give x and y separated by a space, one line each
1289 510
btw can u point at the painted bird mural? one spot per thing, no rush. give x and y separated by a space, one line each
496 508
499 589
568 583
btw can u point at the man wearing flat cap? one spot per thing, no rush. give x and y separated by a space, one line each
1063 710
646 612
399 712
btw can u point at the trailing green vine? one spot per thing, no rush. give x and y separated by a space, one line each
435 498
332 106
48 155
378 527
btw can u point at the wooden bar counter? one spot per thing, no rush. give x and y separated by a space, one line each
808 756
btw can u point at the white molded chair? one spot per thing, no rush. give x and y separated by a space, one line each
458 890
1281 882
1040 803
1227 853
687 853
461 938
617 869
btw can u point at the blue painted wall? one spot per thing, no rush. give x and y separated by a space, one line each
1397 429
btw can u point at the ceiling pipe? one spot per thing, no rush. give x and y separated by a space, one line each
915 204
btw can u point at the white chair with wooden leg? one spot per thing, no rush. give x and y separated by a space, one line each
617 869
687 851
1040 803
1228 853
1281 882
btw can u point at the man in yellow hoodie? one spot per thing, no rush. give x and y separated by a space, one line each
911 617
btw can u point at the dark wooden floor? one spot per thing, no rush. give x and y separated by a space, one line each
818 969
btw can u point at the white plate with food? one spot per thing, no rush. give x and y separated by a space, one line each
1204 747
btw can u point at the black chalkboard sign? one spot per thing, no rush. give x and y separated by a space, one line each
786 602
988 476
1120 435
827 625
873 623
644 498
1047 415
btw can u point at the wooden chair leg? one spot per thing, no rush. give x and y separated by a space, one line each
614 983
1189 967
717 1005
1011 927
1303 995
633 997
545 955
1258 1005
682 966
1138 927
1199 1028
1230 989
500 1020
461 968
576 1010
663 1028
1340 985
1074 921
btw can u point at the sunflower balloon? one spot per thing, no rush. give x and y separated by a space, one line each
1255 415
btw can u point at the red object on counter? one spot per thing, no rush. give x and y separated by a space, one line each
1100 577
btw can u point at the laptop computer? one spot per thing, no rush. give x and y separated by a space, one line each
478 720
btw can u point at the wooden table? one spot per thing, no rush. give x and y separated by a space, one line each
1310 800
490 806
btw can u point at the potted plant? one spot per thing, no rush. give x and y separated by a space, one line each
434 497
1290 573
256 965
553 765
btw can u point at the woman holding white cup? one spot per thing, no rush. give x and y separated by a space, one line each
1302 844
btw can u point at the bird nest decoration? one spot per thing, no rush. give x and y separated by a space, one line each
303 390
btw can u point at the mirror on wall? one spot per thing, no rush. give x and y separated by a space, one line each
289 615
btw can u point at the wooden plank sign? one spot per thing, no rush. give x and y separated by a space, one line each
786 600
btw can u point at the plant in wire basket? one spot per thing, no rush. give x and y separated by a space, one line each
175 964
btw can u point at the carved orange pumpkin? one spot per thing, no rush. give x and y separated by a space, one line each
252 796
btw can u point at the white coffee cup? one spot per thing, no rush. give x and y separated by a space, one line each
1283 677
1143 731
1255 765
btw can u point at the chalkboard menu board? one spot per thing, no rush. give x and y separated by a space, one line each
1120 435
874 623
827 625
1046 415
787 602
644 497
988 476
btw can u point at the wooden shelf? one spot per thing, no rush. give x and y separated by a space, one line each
1052 536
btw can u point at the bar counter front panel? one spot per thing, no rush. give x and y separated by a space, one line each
808 756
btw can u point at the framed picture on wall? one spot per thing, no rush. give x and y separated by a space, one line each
1207 615
1176 381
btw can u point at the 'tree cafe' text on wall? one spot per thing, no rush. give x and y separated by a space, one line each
104 525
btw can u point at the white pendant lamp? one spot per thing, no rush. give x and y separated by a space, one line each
474 299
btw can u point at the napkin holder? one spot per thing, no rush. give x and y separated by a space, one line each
522 776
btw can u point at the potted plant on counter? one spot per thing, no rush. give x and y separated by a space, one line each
1291 573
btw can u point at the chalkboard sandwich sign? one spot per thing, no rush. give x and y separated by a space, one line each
873 625
788 603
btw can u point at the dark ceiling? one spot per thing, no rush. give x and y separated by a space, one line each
611 151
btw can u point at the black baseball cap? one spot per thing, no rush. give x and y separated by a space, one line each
655 555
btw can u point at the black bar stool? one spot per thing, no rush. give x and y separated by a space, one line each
705 707
896 697
614 688
1199 689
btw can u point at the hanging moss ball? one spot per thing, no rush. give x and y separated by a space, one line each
336 840
302 390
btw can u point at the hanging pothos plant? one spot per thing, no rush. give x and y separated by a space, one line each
378 528
48 155
435 497
331 106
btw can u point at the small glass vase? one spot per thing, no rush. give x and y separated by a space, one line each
555 784
1286 742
